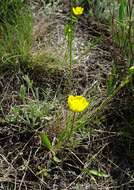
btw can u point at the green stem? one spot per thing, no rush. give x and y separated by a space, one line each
72 126
73 120
70 55
70 52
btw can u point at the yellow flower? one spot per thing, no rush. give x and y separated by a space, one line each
77 103
78 10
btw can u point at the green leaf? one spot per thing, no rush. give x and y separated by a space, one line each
45 140
69 32
57 160
90 13
122 9
112 81
131 70
97 173
22 92
28 81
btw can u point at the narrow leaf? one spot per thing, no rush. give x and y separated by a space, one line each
57 160
97 173
45 140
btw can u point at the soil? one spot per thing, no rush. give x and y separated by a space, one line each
108 143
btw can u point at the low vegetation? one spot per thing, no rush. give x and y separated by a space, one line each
66 94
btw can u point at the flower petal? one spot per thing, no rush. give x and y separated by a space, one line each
77 103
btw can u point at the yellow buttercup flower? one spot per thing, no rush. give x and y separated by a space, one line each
78 10
77 103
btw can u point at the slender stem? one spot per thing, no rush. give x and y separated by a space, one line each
70 50
70 54
70 39
73 120
72 125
